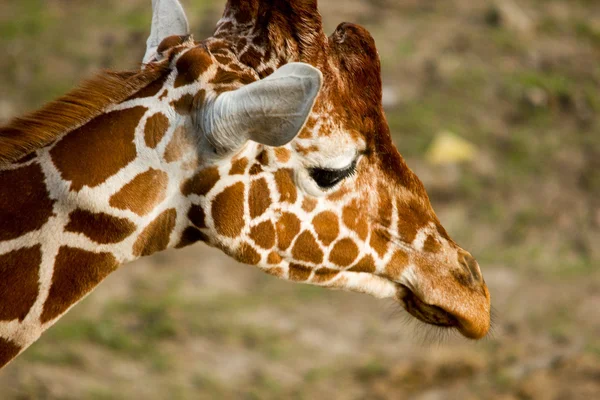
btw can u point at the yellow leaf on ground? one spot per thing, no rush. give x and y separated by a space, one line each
448 148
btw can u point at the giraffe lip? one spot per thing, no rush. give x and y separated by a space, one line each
428 313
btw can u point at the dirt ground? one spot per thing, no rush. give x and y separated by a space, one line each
519 80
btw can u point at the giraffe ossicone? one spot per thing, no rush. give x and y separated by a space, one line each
267 140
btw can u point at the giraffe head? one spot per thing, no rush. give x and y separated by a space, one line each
295 168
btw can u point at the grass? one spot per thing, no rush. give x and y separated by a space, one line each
586 31
371 370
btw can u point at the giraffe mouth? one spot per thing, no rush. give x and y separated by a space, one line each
424 312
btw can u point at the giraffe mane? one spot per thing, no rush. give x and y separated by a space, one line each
25 134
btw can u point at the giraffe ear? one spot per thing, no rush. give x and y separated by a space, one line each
168 19
271 111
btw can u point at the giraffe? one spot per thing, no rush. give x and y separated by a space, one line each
267 140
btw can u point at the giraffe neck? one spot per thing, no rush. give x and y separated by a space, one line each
102 195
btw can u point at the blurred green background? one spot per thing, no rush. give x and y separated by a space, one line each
511 88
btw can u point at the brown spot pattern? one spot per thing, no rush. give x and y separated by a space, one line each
199 99
157 235
101 228
397 264
152 89
412 217
344 253
274 258
323 275
228 211
197 216
379 242
90 155
155 129
76 272
184 104
309 205
366 264
339 194
224 77
327 227
191 65
19 276
263 158
264 235
256 169
299 273
251 58
385 205
431 245
276 272
8 351
222 59
31 132
170 42
191 236
239 166
25 205
181 142
307 249
283 155
288 228
259 198
143 193
285 185
354 220
306 150
247 255
201 183
307 132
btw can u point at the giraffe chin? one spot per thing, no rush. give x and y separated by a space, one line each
435 315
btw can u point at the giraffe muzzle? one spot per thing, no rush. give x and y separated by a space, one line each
471 326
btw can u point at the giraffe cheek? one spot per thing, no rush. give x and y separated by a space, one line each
307 249
264 235
327 227
379 243
274 258
285 184
344 253
259 198
288 228
299 273
354 220
228 211
366 264
247 255
397 265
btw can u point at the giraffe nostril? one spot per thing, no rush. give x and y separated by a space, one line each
470 264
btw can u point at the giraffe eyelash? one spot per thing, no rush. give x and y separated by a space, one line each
328 178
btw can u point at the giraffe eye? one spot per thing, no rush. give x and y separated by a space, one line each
328 178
